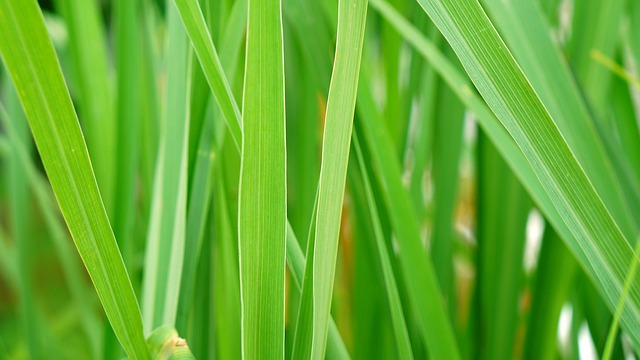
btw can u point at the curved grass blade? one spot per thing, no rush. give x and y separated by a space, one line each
335 158
600 245
262 208
31 60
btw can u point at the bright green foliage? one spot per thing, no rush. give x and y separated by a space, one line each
292 179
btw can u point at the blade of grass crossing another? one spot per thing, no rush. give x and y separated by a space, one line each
204 48
166 236
335 158
295 258
31 60
262 213
600 244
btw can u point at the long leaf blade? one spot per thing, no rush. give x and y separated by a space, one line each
335 158
262 197
29 55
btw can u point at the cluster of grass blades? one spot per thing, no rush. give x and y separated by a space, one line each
284 179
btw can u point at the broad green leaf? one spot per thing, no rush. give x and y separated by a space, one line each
31 60
600 246
262 217
335 158
166 237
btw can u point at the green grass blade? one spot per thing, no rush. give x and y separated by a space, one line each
399 326
165 242
196 27
335 158
31 60
88 50
262 205
601 246
424 293
611 337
